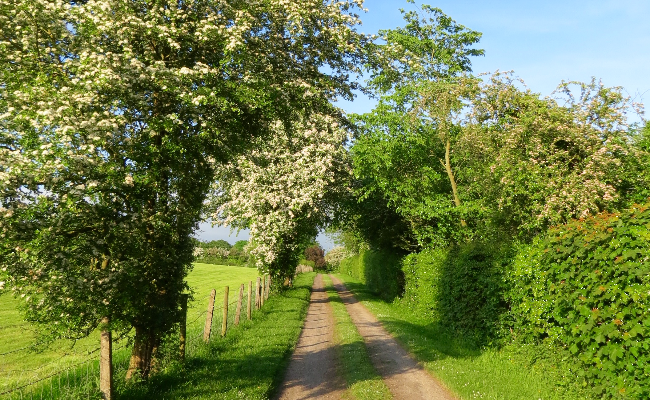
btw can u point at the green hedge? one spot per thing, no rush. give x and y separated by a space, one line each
379 270
585 286
459 287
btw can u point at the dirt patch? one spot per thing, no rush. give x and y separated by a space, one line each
405 378
312 370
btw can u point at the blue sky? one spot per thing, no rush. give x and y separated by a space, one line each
544 42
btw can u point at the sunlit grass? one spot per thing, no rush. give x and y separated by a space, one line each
249 363
470 372
362 380
20 365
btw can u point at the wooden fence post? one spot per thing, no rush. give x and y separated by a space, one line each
263 290
183 326
248 305
268 288
257 293
239 301
224 324
208 319
106 362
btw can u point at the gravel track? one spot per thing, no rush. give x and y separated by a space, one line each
405 378
312 371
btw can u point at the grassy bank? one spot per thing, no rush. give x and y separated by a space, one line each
20 364
361 378
249 363
471 372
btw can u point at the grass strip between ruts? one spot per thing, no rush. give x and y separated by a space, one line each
249 363
470 372
362 380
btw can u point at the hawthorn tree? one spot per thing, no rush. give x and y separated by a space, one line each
537 162
114 116
446 157
284 190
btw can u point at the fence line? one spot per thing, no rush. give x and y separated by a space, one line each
193 342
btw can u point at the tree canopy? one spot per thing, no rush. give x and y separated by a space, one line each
114 117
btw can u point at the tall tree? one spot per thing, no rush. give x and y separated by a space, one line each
404 150
114 115
284 190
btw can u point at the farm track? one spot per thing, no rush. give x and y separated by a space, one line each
312 372
405 378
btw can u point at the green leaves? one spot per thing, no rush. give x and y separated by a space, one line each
586 286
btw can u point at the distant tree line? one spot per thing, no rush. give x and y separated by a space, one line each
221 252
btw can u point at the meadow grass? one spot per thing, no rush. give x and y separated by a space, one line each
362 380
469 371
20 364
249 363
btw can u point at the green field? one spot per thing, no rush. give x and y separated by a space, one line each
20 364
249 363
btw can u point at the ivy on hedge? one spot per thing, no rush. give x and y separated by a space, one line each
586 287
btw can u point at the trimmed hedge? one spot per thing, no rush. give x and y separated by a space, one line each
379 270
585 286
460 287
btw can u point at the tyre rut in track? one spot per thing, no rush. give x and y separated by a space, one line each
405 378
312 371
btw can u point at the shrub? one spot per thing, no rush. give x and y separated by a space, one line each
460 287
334 257
316 254
585 286
379 270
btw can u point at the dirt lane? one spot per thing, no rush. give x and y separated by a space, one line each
312 370
405 378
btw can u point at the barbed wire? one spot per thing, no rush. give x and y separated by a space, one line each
17 350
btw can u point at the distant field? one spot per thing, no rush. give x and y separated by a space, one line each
20 365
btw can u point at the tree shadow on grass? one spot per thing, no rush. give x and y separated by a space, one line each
429 341
249 363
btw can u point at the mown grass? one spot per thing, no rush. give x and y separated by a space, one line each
362 380
470 372
19 364
249 363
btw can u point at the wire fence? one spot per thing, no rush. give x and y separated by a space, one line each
76 376
64 378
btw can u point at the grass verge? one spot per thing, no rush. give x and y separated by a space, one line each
249 363
21 365
362 380
470 372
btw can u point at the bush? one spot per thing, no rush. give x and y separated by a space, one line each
334 257
585 286
316 254
379 270
461 287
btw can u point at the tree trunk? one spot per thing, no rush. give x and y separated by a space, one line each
143 354
452 179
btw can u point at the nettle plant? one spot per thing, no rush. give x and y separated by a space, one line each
114 116
586 286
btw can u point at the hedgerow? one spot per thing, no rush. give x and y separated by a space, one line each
585 287
379 270
460 287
